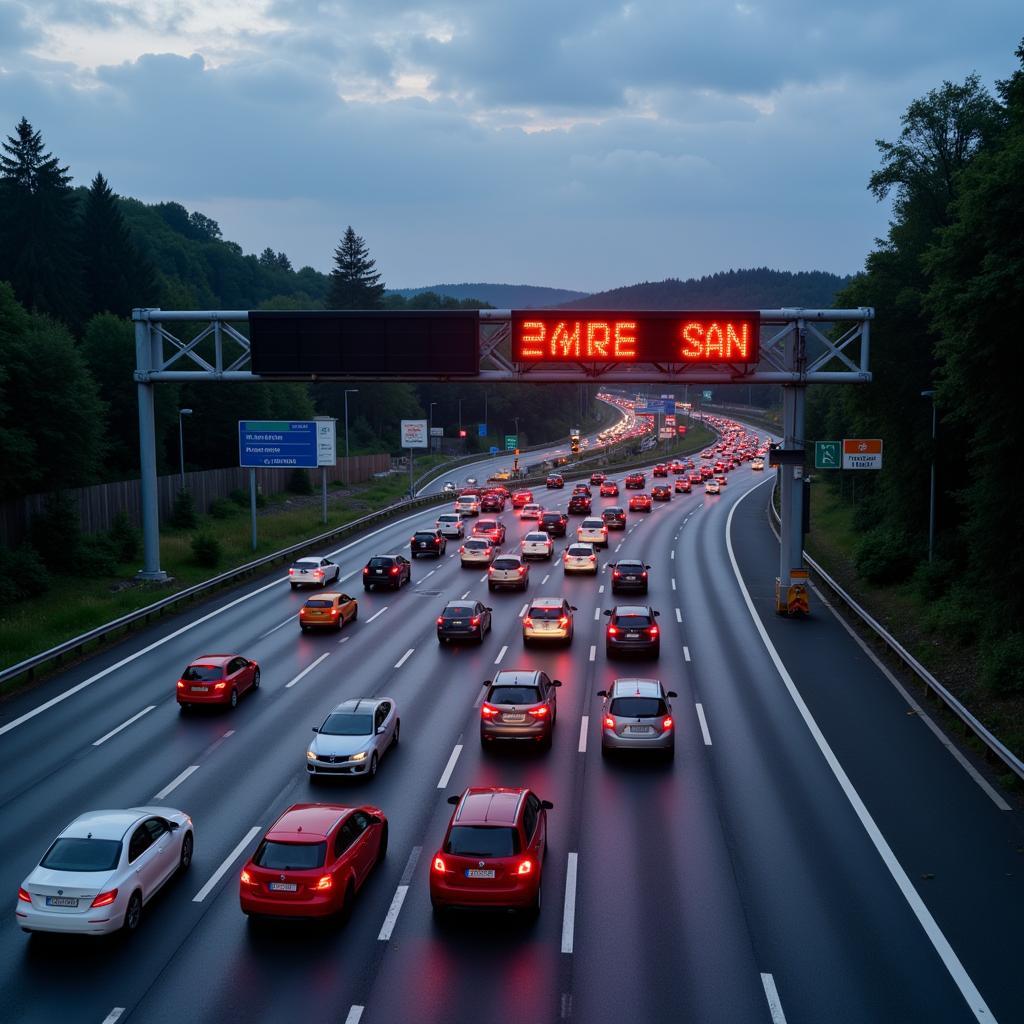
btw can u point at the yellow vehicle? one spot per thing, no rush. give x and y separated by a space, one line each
502 474
331 610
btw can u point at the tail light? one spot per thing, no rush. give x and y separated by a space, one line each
528 622
616 574
291 572
522 570
643 575
564 621
439 865
487 551
593 558
666 723
104 899
366 570
609 722
475 621
490 569
539 712
440 620
319 572
613 630
335 611
488 710
525 867
245 878
652 630
24 896
394 570
181 685
324 883
220 686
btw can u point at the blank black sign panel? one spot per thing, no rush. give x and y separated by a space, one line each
342 342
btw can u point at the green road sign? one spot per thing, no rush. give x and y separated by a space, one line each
707 396
511 442
827 455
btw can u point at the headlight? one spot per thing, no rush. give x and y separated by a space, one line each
310 755
361 756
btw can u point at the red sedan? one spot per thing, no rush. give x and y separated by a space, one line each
609 489
493 851
313 860
640 503
218 679
521 498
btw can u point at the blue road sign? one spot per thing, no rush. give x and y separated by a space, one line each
280 443
658 407
481 429
494 450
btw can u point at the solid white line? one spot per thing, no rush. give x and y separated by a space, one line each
115 1014
278 626
593 652
450 766
546 578
569 910
392 915
584 721
464 596
355 1014
703 725
522 611
673 583
679 615
176 781
123 725
501 654
597 614
772 995
228 861
686 653
404 658
377 614
956 969
306 670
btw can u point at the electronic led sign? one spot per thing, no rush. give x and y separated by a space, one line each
582 336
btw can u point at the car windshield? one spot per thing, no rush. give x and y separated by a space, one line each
289 856
202 673
341 723
82 855
638 707
458 611
506 563
482 841
515 695
380 563
612 512
449 517
630 567
552 517
316 602
485 524
592 524
632 621
545 613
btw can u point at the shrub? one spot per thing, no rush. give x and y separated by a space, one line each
56 532
299 482
223 508
1002 664
956 618
239 497
885 555
184 513
22 574
933 579
206 550
125 538
97 556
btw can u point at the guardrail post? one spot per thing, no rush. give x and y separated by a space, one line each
148 493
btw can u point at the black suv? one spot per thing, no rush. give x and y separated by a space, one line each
579 504
629 574
632 629
614 517
553 523
427 542
387 571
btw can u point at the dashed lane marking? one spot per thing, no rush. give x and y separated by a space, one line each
306 671
123 725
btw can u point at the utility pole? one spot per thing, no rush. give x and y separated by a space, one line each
931 497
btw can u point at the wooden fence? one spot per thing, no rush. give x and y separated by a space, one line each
97 505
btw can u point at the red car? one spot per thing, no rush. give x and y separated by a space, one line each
635 480
682 485
661 492
313 860
218 679
493 851
521 498
609 489
492 501
597 478
661 469
696 479
640 503
555 481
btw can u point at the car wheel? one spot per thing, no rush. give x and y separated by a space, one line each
670 754
133 913
303 627
256 679
490 586
184 708
526 641
367 586
382 852
398 729
355 614
373 765
609 653
339 623
346 907
295 586
187 845
323 584
534 911
234 696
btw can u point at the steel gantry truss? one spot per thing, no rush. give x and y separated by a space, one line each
796 349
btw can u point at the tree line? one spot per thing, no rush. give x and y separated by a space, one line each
947 284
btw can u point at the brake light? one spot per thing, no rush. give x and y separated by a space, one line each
475 621
666 723
181 685
613 630
652 630
220 686
525 867
643 575
490 569
325 883
366 570
488 710
522 570
291 572
319 572
24 896
440 620
487 551
538 712
609 722
564 621
245 878
105 898
439 865
593 558
394 570
334 611
616 574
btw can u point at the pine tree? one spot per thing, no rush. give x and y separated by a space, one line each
38 244
354 282
268 258
116 275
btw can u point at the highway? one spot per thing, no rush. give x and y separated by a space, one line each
815 853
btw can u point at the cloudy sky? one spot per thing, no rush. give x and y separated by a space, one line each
574 143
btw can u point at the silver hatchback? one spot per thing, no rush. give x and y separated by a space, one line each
636 715
353 738
508 571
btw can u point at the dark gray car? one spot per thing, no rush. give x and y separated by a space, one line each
519 705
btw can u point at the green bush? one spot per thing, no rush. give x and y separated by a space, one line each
299 482
22 574
184 513
239 497
223 508
885 555
56 532
933 579
206 550
125 538
97 556
956 618
1002 664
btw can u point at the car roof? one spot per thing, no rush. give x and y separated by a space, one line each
510 554
303 823
637 688
536 535
630 561
581 544
547 602
496 806
358 705
384 556
326 593
592 519
632 609
460 604
309 558
213 659
516 677
106 824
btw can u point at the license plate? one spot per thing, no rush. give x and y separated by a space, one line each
422 544
379 572
283 886
632 636
200 689
479 872
513 718
642 729
458 622
61 901
629 579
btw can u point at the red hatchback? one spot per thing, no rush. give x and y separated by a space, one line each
609 489
640 503
521 498
493 851
218 679
313 860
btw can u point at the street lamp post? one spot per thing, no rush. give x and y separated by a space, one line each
430 427
348 471
931 497
181 442
460 415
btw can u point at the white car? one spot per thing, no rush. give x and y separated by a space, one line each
475 552
316 572
451 525
353 738
712 487
449 487
103 868
757 464
508 571
580 558
468 505
537 545
531 511
593 531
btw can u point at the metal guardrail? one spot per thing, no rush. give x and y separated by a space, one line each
997 748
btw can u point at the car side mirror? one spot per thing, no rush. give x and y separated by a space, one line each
173 826
316 728
602 693
647 567
547 805
454 800
556 682
380 729
488 608
573 608
657 613
608 612
486 682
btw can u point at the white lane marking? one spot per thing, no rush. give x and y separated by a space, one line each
673 584
277 627
348 576
114 1015
703 725
377 614
546 578
452 555
307 670
774 1003
600 589
679 615
522 611
176 781
355 1014
673 554
392 915
483 578
584 722
464 596
228 861
686 653
593 652
618 547
404 658
103 673
597 614
569 910
123 725
940 943
428 575
230 732
344 639
449 767
501 654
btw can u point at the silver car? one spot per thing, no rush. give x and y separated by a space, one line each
508 571
476 552
315 572
636 715
353 738
537 545
580 558
451 524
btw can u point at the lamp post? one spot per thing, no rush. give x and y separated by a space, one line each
460 414
931 498
181 442
430 427
348 471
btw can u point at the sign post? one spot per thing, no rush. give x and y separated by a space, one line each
414 435
827 454
326 455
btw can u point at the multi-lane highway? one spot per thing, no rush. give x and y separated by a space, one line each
815 852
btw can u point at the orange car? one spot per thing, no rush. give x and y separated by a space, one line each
332 610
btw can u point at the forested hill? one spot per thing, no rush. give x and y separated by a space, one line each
759 288
501 296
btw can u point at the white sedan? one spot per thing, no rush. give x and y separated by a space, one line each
317 572
537 545
531 511
103 869
580 558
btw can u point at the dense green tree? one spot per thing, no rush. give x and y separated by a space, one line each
355 282
39 254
